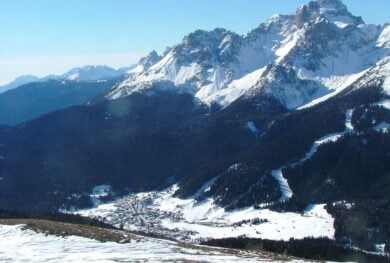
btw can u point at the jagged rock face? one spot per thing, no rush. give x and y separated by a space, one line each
283 84
201 59
208 48
333 41
333 51
315 44
302 16
151 59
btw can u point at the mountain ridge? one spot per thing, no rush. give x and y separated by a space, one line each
209 64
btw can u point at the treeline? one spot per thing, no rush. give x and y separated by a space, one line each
309 248
364 222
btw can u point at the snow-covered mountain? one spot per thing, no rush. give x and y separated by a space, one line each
323 47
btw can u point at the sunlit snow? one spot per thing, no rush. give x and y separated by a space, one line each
192 220
18 244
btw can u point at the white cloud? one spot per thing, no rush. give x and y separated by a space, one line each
10 68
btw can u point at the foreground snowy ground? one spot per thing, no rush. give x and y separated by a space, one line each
18 244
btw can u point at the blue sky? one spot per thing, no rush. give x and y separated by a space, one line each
42 37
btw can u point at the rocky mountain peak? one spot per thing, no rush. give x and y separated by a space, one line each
332 10
282 83
207 46
199 37
332 4
280 73
274 25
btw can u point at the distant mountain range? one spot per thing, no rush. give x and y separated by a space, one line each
28 97
86 73
31 100
19 81
292 117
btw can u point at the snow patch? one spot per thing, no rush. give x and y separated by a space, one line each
341 24
252 127
341 21
380 248
386 85
235 89
382 127
274 226
283 184
348 119
345 204
384 103
137 70
329 138
217 79
234 167
185 73
286 46
98 192
101 190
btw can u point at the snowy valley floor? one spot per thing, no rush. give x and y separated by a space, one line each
191 220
